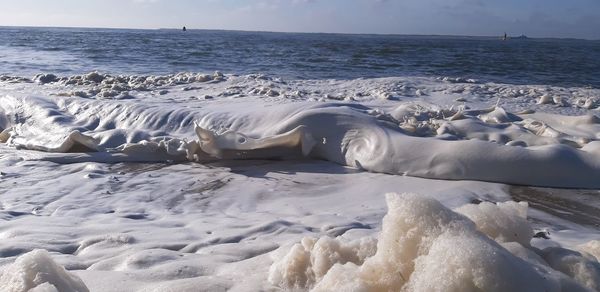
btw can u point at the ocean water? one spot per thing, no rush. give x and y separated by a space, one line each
64 51
278 173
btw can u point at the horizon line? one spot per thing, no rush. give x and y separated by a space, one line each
291 32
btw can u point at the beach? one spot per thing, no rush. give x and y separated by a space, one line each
165 173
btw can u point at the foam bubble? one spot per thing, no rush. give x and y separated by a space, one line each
592 248
36 271
503 222
584 270
424 246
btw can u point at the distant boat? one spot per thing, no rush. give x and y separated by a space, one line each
184 29
505 37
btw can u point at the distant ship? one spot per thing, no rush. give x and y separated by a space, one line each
506 37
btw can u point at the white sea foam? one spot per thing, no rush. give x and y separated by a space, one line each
491 145
36 271
211 224
424 246
503 222
592 247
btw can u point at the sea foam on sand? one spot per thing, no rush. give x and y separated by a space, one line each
37 272
488 145
68 185
424 246
151 119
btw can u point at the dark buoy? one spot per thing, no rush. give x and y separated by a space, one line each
184 29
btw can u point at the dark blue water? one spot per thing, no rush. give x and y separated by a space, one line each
26 51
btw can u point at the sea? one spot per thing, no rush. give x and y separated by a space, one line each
26 51
329 161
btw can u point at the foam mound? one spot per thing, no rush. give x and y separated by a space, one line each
592 248
503 222
416 140
37 272
424 246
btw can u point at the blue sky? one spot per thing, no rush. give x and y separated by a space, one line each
539 18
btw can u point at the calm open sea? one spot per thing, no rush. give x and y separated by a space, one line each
64 51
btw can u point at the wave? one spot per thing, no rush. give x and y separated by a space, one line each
413 138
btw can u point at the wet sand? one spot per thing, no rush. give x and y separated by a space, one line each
575 205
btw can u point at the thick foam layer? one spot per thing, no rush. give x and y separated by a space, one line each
423 246
416 140
36 271
592 247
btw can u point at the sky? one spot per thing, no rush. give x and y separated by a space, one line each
535 18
